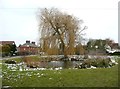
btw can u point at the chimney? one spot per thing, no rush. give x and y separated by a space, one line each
27 41
33 43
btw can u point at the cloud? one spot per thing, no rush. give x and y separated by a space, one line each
59 3
18 17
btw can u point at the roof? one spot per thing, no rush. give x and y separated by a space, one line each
28 45
7 42
115 45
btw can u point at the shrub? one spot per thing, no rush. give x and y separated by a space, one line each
95 62
10 62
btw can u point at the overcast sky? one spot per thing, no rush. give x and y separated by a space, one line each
18 21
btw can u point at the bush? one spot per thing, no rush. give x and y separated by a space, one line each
102 63
10 62
96 63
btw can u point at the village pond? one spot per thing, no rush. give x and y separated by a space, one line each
44 65
28 64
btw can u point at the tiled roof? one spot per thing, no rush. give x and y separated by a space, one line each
7 42
28 45
115 45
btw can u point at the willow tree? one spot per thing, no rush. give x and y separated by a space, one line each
58 29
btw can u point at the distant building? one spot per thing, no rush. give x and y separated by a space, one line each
28 48
7 42
115 46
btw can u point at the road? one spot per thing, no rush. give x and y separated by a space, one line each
5 58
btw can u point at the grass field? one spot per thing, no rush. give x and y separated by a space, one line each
17 60
101 77
0 73
21 59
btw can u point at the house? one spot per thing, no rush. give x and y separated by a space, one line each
28 48
115 46
7 42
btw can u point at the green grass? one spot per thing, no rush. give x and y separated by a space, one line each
18 60
0 64
104 77
0 73
34 57
100 77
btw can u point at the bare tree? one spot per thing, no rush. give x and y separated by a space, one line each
58 30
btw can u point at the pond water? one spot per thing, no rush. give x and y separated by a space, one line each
63 64
44 65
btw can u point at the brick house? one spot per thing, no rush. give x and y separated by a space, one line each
7 42
28 48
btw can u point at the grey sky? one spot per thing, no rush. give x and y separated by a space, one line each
18 20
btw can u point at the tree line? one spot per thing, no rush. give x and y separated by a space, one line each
8 50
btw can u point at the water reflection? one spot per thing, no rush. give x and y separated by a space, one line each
63 64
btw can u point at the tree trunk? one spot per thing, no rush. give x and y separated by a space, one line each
63 48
